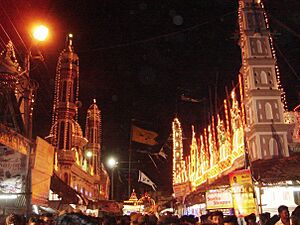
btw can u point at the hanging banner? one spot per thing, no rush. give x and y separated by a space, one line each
242 192
42 172
13 171
219 199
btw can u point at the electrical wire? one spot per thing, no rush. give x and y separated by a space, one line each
287 62
284 26
11 22
7 35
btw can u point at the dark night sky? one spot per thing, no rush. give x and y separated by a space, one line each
137 57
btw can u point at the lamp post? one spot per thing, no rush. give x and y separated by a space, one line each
112 164
39 34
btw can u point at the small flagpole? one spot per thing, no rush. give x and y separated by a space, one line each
129 160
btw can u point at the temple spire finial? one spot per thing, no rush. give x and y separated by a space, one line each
69 42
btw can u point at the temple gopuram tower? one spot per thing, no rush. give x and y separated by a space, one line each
266 132
93 134
66 134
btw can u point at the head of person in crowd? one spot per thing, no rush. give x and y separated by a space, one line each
230 220
34 220
47 218
152 220
188 220
250 219
13 219
283 212
274 219
264 218
168 219
123 220
296 216
216 217
204 218
134 217
109 220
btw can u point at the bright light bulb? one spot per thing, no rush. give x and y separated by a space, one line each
89 154
112 163
40 33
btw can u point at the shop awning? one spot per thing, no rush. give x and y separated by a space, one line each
68 194
277 169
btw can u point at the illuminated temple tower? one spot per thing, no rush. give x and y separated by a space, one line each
179 172
77 158
266 132
93 135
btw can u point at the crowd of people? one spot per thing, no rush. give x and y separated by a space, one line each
213 218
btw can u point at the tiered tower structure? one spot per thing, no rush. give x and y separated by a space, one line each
267 132
66 134
93 135
77 158
179 173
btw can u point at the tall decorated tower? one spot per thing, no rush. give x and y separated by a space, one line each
179 172
66 134
266 131
93 134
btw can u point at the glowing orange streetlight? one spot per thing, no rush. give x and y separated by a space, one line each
40 32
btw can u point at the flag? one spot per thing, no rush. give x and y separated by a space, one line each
146 180
188 99
162 153
143 136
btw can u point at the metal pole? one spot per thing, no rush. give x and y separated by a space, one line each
129 163
112 183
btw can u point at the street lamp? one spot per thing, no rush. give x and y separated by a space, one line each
112 164
39 34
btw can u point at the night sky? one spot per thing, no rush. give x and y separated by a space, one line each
138 57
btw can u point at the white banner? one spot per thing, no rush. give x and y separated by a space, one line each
13 170
146 180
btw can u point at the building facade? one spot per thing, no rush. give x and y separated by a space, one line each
254 130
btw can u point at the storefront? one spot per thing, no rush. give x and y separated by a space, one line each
14 179
273 196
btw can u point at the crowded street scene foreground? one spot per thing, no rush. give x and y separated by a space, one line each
129 135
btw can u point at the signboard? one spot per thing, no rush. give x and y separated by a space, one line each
181 190
242 191
219 199
13 140
13 171
42 172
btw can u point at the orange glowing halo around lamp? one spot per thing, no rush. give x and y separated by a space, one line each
40 32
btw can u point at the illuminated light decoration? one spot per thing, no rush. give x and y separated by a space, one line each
242 100
179 166
93 135
227 125
296 134
237 124
235 150
223 139
273 52
214 138
206 145
203 157
194 168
